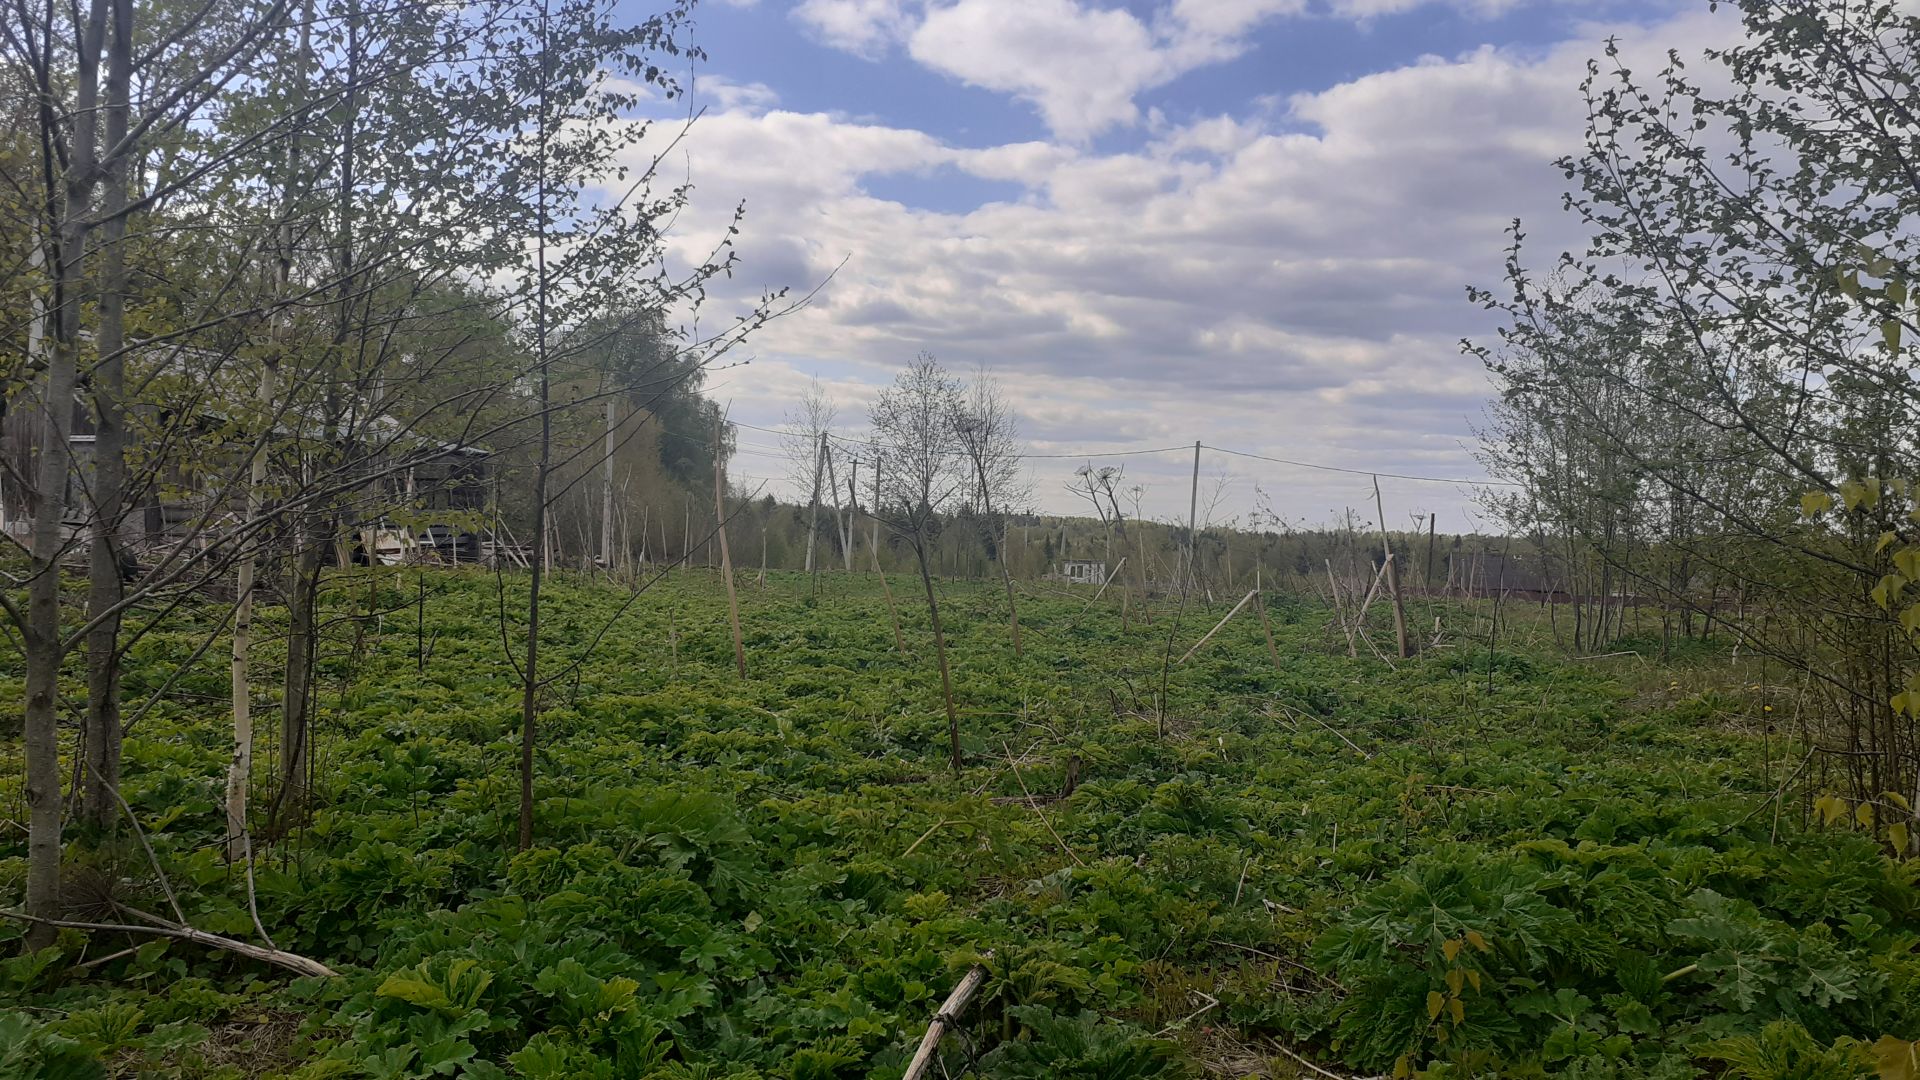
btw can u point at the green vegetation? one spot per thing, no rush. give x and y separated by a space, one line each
1463 865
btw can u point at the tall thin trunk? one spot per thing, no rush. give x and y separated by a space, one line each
842 522
726 556
530 672
290 791
240 767
606 492
296 690
940 650
1006 574
105 558
41 635
813 520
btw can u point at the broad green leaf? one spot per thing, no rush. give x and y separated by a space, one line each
1884 593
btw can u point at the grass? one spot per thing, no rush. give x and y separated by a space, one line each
782 877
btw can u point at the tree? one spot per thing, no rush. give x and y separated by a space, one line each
989 436
922 466
808 427
1757 350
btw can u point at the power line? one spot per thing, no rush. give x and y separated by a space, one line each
1365 472
1089 454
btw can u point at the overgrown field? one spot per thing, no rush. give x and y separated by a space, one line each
1464 865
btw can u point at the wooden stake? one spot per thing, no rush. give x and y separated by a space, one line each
944 1020
1432 519
1193 514
1103 585
1393 576
1266 627
726 559
899 639
1218 625
1339 612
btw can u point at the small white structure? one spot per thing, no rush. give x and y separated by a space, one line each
1083 573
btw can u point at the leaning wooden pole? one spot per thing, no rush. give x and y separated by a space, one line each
1193 515
899 639
1216 626
1339 612
1266 626
1393 576
945 1020
726 558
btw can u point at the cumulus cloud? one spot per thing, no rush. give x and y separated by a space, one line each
1080 65
862 27
1285 282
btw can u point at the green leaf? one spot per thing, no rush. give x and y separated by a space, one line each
1634 1016
1884 593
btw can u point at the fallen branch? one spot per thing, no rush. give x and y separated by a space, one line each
297 964
946 1018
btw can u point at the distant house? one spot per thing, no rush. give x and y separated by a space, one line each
1082 573
438 487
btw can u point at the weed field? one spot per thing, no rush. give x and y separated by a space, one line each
1464 864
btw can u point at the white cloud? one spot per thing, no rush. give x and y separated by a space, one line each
1079 65
1288 285
1371 9
862 27
722 93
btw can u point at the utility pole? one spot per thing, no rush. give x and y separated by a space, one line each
1193 514
874 513
1432 519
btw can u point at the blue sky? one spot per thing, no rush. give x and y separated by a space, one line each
1249 222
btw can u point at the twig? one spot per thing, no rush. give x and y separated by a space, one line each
1781 790
1212 1003
1042 814
1216 626
1302 712
946 1018
1303 1061
107 959
915 846
162 928
1277 958
253 903
165 885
